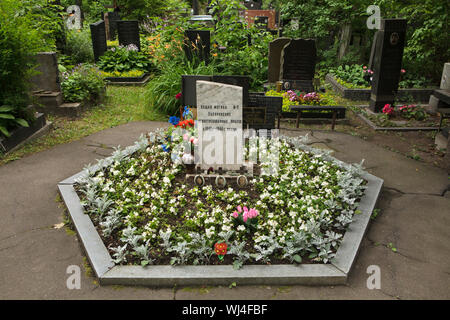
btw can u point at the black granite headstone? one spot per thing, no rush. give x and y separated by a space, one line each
198 43
98 36
253 5
113 18
128 31
188 86
261 112
189 89
297 65
387 62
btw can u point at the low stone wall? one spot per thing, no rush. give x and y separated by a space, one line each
418 95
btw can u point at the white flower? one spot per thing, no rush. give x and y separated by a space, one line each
241 228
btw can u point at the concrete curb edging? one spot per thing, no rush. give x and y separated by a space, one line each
334 273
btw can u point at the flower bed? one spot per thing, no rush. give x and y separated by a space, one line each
363 94
404 116
147 213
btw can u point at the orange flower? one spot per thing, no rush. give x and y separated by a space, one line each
220 249
214 54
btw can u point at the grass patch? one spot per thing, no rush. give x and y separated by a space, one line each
123 105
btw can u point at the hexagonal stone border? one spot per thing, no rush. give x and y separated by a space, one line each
334 273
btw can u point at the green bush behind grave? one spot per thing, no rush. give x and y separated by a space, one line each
21 37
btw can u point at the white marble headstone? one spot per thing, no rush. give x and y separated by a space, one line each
219 123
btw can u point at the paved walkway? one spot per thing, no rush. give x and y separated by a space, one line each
414 218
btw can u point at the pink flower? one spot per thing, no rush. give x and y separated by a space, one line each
195 141
239 208
186 136
388 109
245 216
235 214
403 71
245 209
364 67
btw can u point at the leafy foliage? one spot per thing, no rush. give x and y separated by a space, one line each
123 59
84 82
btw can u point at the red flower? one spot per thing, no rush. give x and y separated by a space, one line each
220 249
402 70
178 96
388 109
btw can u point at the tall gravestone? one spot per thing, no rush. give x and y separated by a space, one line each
98 36
48 77
128 32
219 121
297 64
387 62
275 48
113 17
197 43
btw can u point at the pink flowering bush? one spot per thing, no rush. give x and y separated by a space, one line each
246 217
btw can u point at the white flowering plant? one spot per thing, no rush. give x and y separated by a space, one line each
148 213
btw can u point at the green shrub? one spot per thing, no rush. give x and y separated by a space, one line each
79 46
19 41
352 75
161 90
83 83
124 59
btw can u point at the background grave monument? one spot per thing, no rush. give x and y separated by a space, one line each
275 48
197 43
297 65
128 32
387 62
98 36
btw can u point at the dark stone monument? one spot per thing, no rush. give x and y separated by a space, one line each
128 31
48 77
189 89
298 62
275 48
113 18
188 86
98 36
261 112
198 43
252 5
387 62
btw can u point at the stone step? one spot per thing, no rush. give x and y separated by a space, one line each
48 98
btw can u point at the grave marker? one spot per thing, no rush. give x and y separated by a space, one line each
98 35
48 77
197 42
128 31
219 121
297 66
275 48
387 62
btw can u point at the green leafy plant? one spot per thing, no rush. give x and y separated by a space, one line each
79 46
19 41
84 82
123 59
7 119
162 90
351 76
